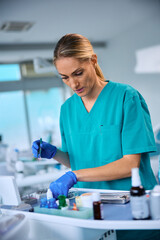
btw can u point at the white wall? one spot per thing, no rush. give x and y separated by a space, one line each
118 62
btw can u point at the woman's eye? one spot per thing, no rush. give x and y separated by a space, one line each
79 73
64 78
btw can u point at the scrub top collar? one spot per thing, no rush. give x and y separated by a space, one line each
96 102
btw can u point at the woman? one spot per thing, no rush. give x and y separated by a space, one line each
105 126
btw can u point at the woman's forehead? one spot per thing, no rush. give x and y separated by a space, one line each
72 60
69 64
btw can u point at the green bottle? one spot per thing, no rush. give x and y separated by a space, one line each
62 202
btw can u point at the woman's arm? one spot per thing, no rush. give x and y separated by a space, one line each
63 158
111 171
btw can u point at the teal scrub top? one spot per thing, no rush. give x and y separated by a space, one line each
118 124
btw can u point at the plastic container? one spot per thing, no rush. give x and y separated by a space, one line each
83 213
87 200
155 203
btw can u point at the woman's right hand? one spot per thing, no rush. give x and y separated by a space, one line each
47 150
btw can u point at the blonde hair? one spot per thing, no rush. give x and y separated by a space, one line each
76 45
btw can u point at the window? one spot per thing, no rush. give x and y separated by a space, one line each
43 111
10 72
12 120
29 107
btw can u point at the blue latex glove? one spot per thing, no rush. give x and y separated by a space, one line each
47 150
62 185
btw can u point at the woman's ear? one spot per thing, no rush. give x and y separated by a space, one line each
94 60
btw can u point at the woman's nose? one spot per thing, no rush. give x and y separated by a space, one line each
74 83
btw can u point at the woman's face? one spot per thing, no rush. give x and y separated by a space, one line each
79 76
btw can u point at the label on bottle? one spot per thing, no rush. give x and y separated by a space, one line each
102 213
139 207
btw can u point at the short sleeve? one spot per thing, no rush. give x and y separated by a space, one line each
63 139
137 133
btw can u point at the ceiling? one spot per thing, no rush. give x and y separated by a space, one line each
100 20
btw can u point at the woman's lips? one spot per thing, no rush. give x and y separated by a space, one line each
79 90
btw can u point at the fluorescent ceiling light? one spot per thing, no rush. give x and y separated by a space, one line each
148 60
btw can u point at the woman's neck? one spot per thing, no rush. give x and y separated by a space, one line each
89 100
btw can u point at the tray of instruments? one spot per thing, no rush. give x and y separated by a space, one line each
118 198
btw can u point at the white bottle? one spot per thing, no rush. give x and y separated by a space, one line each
49 194
139 203
155 202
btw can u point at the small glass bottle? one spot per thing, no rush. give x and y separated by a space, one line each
52 203
43 203
97 206
139 203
